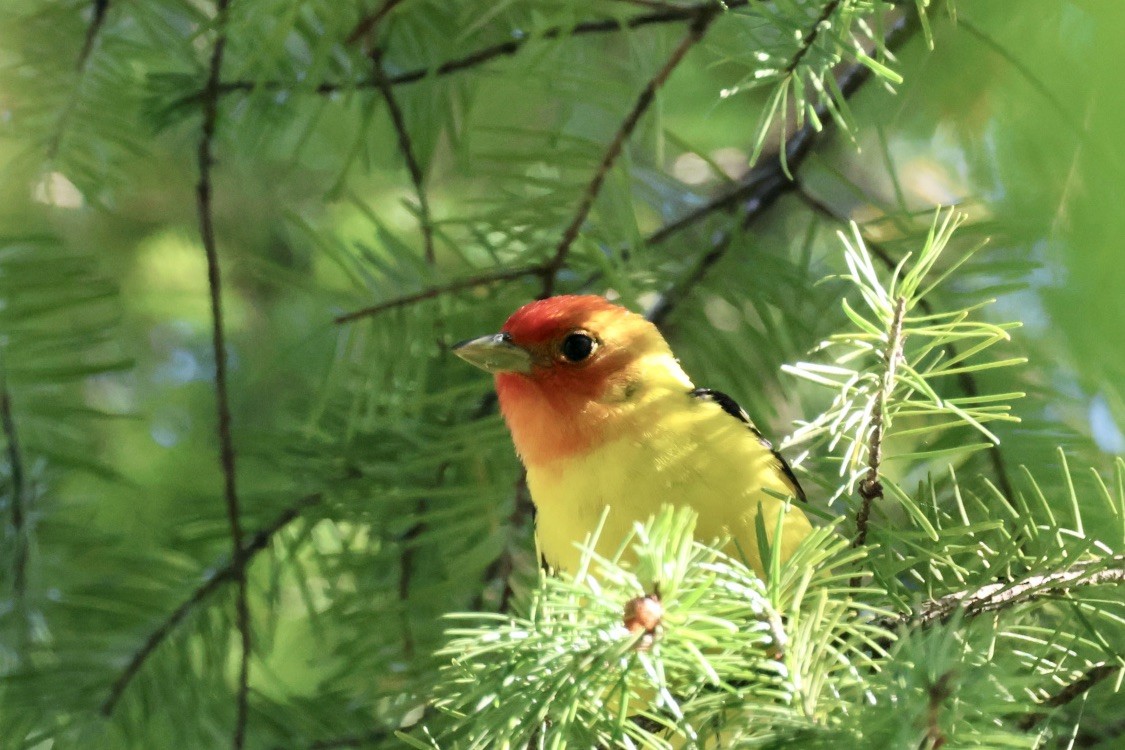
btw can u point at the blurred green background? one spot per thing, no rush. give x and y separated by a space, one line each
1015 115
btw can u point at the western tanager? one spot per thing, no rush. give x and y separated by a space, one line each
603 417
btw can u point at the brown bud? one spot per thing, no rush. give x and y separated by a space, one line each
643 614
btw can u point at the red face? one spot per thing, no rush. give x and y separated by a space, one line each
582 351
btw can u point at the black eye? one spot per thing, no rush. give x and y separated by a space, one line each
577 346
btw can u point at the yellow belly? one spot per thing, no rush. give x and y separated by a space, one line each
692 455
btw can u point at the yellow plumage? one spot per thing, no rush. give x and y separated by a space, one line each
684 451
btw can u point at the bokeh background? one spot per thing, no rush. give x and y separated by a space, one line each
379 451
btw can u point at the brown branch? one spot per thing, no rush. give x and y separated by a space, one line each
502 49
19 507
1070 692
368 23
97 21
998 596
101 10
406 148
870 488
503 566
965 380
222 400
756 193
233 570
704 16
811 36
459 285
938 693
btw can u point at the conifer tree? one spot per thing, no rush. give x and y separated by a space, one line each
249 499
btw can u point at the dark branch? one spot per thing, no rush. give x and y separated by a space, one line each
756 193
222 399
101 10
938 693
696 31
18 504
406 148
503 49
1070 692
460 285
811 35
97 21
870 488
503 566
370 22
231 571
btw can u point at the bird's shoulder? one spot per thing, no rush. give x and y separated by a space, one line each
732 408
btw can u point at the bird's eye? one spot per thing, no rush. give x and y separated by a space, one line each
577 347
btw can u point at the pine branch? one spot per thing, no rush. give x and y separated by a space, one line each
222 401
754 196
406 148
870 488
233 570
19 508
965 379
1000 596
704 16
459 285
503 49
756 193
1070 692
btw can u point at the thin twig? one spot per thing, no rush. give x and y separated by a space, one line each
97 21
759 190
870 488
368 23
459 285
231 571
222 400
705 15
1070 692
965 380
811 36
101 10
19 507
406 148
758 199
502 49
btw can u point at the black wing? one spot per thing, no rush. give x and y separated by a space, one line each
731 407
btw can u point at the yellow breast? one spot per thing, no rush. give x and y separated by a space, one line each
680 451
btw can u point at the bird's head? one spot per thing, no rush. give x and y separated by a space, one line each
570 370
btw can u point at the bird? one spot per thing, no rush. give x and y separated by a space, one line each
607 423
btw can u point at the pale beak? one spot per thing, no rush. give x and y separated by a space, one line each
494 354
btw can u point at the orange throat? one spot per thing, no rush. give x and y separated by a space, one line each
549 422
